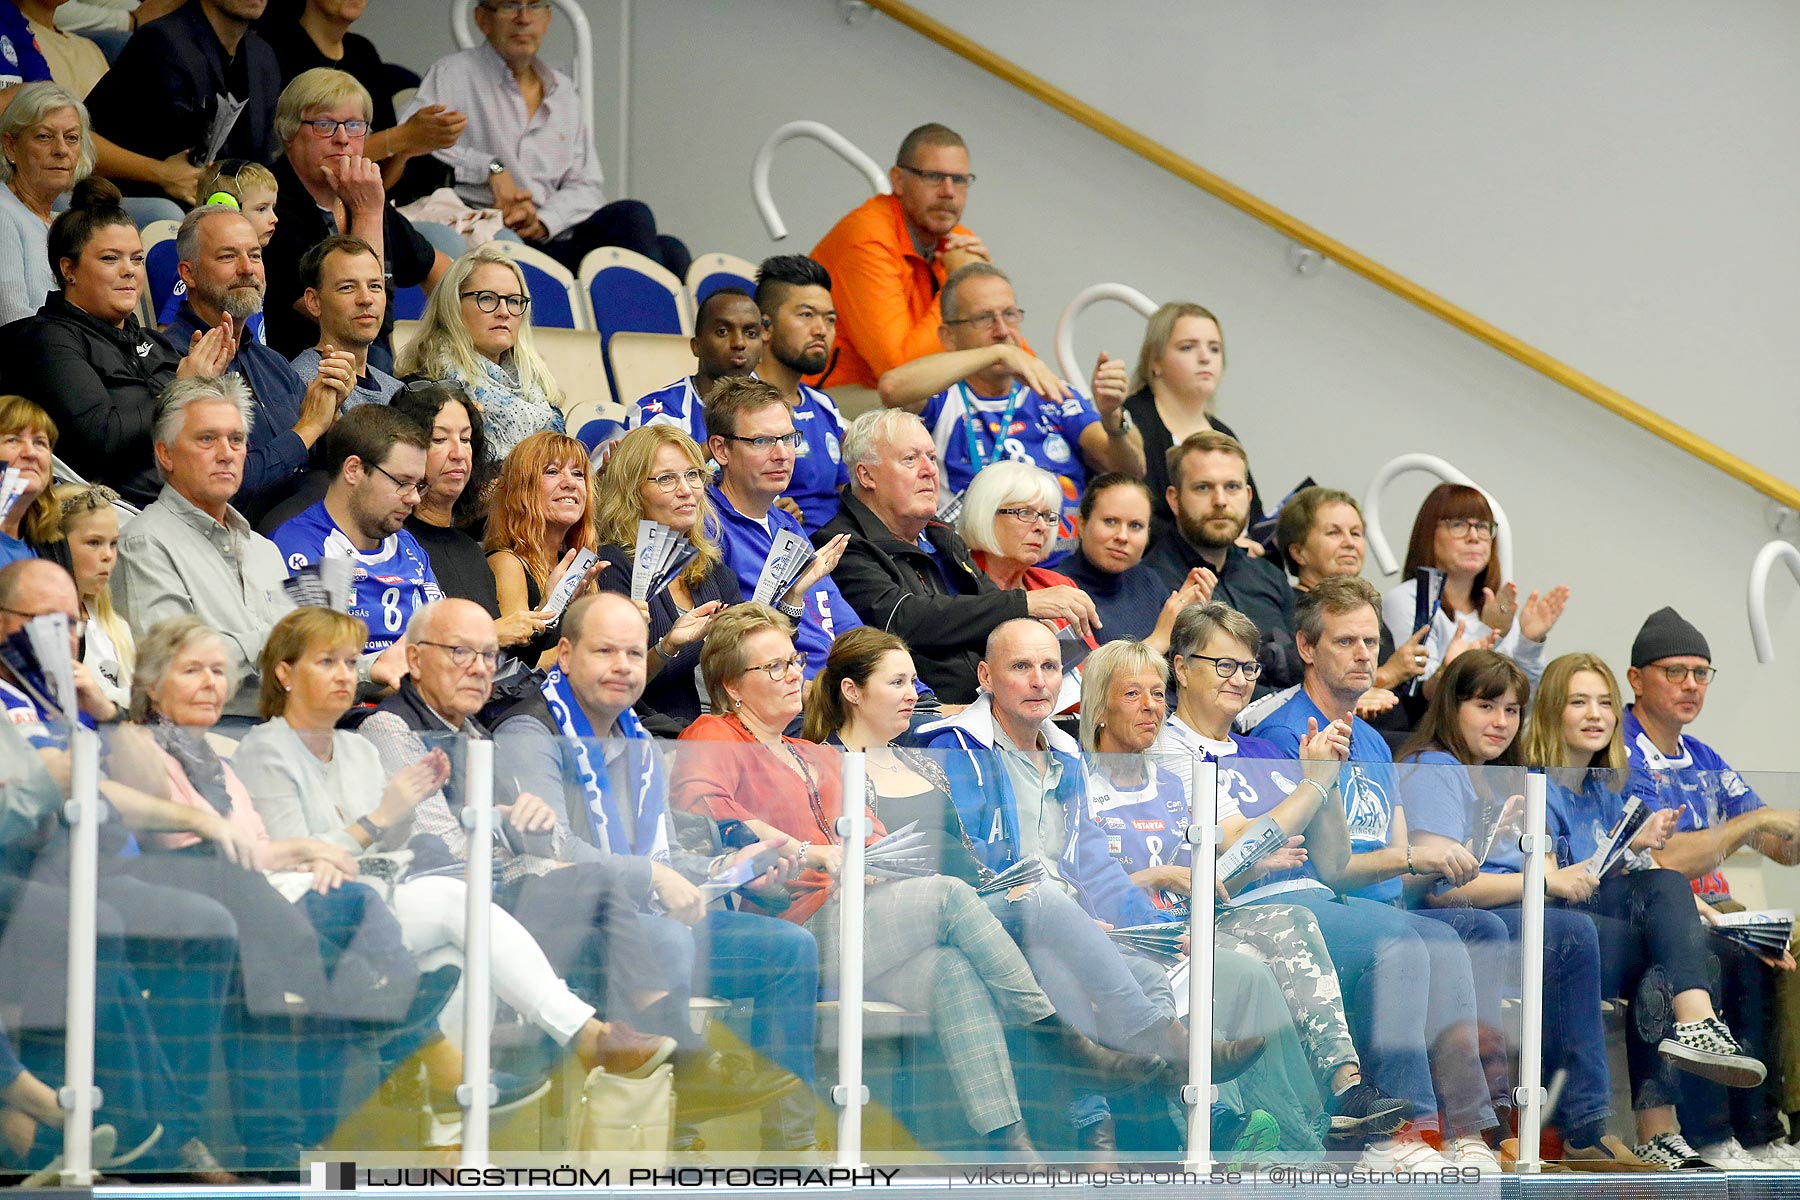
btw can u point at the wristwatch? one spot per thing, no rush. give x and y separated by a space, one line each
496 167
1124 425
792 612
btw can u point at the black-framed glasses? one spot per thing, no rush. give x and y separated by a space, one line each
415 486
512 8
767 441
1675 673
960 182
79 624
489 301
326 127
694 477
1463 527
1227 667
462 656
1011 317
1030 516
781 667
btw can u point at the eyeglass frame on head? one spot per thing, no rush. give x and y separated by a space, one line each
1031 516
462 657
781 667
1012 317
1249 666
1483 530
960 181
519 298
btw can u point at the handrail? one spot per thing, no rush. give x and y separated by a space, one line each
1432 464
1758 599
1066 362
1292 227
462 28
825 135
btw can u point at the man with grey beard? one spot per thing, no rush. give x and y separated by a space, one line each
221 264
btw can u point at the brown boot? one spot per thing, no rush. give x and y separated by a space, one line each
1113 1067
1015 1141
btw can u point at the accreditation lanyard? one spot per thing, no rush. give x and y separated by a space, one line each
977 456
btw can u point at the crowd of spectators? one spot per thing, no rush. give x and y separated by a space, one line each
300 574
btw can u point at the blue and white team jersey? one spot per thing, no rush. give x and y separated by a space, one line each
1145 826
388 582
1440 796
819 469
1366 783
1698 781
972 431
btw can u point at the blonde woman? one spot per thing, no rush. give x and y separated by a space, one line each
476 332
83 534
657 473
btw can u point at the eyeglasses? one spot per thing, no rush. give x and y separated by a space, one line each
1030 516
78 624
462 656
781 667
1702 675
694 477
1011 317
488 301
325 127
1463 527
767 441
1227 667
416 487
512 8
939 178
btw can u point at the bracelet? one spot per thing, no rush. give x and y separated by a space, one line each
792 612
661 646
1409 862
371 828
1318 787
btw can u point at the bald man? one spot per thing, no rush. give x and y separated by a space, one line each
584 915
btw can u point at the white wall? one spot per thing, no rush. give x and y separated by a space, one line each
1612 183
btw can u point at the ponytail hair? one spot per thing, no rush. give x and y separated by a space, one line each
95 205
854 656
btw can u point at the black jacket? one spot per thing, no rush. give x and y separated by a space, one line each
943 606
99 384
1255 587
160 96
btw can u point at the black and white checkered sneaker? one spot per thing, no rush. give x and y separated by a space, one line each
1707 1049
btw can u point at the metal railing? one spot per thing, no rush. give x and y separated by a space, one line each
826 136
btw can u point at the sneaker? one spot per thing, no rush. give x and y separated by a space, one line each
1363 1111
1774 1156
1470 1151
1670 1152
1707 1049
1402 1154
1730 1155
1244 1136
1606 1155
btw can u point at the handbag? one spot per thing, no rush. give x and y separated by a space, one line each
624 1122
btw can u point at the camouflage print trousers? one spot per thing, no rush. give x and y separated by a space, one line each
1286 938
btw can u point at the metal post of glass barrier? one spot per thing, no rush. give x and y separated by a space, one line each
851 1094
78 1096
1203 837
475 1094
1530 1095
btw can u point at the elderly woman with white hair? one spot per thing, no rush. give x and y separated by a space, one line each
46 148
476 332
1009 519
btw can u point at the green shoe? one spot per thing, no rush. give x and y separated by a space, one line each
1237 1136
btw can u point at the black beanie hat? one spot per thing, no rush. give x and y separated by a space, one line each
1667 634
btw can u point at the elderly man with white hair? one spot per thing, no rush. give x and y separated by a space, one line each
909 573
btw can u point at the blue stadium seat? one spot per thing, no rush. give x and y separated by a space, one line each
409 303
555 296
159 262
629 293
711 272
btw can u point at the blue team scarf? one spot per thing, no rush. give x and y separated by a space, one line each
649 840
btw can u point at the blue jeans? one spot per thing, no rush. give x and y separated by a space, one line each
1574 1039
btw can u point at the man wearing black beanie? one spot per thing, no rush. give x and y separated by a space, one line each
1671 669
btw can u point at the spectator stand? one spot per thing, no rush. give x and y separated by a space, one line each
556 299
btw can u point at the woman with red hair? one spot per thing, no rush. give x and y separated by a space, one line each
541 513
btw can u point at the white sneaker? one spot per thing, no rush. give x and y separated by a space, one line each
1391 1154
1471 1151
1730 1155
1775 1156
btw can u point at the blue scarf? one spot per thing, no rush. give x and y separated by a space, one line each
649 839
